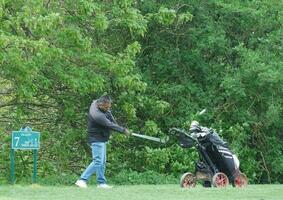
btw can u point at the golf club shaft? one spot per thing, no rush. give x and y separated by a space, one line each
148 137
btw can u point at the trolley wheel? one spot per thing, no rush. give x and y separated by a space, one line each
241 180
188 180
220 180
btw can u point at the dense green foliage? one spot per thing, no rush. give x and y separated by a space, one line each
161 61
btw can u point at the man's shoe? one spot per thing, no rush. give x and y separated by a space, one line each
81 184
104 186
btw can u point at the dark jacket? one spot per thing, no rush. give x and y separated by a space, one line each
100 123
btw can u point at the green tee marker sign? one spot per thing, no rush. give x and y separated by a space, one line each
25 139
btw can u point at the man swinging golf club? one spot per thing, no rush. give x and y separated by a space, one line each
100 123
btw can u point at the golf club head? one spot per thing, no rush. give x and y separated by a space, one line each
164 140
202 112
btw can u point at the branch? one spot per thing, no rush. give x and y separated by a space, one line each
27 31
6 91
47 4
11 103
265 168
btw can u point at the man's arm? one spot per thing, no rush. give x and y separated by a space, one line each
102 120
111 117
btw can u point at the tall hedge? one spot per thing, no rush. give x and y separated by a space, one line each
161 61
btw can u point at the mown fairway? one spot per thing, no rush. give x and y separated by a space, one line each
141 192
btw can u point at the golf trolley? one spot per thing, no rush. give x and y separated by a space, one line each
217 165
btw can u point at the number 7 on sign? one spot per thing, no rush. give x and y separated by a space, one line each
17 141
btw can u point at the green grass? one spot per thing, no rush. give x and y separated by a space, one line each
141 192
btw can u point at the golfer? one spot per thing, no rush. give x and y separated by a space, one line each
100 123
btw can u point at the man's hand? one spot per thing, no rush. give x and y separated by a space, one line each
127 132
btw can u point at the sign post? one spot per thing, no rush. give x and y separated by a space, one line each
25 139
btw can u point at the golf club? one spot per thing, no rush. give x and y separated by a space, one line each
163 141
202 112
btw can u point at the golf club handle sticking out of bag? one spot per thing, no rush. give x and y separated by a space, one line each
177 130
160 140
180 131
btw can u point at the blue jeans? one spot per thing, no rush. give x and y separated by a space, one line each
98 164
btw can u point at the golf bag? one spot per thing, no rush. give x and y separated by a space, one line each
217 164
